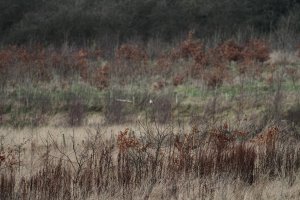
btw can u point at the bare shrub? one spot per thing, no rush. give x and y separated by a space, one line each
140 161
76 113
293 115
293 73
7 186
114 111
161 109
53 183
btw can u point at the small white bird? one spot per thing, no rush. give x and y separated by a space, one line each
150 101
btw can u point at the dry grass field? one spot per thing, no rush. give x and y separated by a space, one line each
186 121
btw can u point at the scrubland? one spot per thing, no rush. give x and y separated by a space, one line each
189 120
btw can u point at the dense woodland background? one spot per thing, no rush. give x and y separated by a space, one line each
86 21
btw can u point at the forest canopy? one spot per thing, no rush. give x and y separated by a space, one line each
56 21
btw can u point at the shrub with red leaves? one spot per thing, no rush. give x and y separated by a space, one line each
189 48
215 77
101 77
131 52
256 50
178 79
230 50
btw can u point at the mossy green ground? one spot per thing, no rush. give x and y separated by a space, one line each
22 103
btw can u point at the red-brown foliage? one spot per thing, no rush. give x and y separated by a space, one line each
201 61
126 141
101 77
132 53
215 76
256 50
221 136
6 56
190 47
81 63
178 79
163 65
268 136
39 62
230 50
7 159
211 64
164 61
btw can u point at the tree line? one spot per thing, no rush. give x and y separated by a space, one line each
56 21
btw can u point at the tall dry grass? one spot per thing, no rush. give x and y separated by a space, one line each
140 165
